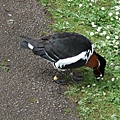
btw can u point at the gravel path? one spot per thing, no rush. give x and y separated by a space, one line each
26 90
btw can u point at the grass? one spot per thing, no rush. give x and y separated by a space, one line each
99 20
4 65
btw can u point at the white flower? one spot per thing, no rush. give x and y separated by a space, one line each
83 87
111 19
108 37
113 41
113 79
63 27
117 8
96 32
104 93
92 0
108 26
117 43
88 86
91 33
111 64
117 13
110 14
115 46
67 22
116 17
101 34
94 84
80 5
104 32
90 4
113 117
102 8
117 67
103 44
92 23
116 37
99 28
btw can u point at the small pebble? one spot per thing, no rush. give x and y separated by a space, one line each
10 21
37 101
8 60
9 15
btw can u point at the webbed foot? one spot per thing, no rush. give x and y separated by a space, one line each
76 78
61 81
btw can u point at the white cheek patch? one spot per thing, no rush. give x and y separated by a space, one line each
30 46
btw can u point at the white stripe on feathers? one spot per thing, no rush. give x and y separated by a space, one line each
30 46
67 61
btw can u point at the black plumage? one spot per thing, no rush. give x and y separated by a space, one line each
66 50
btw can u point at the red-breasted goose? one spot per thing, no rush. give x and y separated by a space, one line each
67 50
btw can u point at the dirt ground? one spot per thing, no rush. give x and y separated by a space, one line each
26 90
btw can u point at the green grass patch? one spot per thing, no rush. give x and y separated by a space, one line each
99 20
4 65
